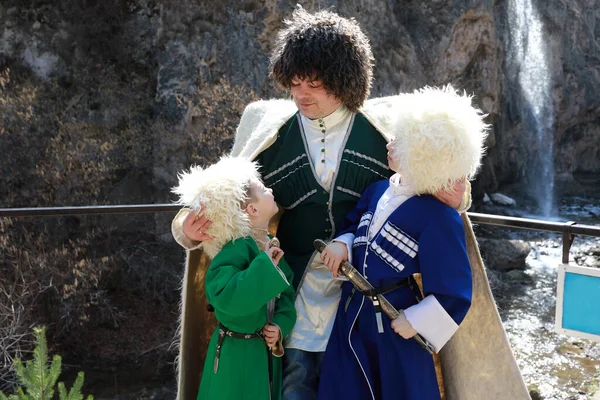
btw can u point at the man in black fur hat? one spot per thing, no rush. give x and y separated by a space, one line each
318 153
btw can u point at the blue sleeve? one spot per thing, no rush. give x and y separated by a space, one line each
444 264
352 219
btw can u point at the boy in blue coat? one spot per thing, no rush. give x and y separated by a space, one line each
399 229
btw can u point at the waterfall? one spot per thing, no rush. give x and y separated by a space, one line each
528 56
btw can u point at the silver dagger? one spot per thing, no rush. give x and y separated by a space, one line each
363 285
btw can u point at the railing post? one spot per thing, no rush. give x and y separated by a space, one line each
567 239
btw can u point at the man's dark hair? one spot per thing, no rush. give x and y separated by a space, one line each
326 47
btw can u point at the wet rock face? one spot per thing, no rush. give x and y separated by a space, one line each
504 255
187 47
578 159
570 29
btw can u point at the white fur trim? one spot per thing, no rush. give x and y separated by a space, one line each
259 125
262 120
439 138
218 191
381 114
432 321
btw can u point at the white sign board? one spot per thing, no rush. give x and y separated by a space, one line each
578 302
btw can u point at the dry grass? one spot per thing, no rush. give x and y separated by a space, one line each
213 115
94 139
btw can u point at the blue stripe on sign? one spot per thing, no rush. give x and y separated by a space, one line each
581 303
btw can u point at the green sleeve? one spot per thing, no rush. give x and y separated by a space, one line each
237 286
285 311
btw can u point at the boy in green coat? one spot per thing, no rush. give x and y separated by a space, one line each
248 282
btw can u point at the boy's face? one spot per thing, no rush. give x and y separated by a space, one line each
391 157
262 204
312 99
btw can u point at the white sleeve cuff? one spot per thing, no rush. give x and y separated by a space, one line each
432 321
348 240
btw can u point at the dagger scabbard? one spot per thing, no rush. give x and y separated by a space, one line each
363 285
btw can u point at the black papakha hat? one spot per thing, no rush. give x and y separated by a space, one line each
326 47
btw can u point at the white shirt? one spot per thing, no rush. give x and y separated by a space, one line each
391 199
319 294
335 126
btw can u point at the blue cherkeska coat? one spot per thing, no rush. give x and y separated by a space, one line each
422 236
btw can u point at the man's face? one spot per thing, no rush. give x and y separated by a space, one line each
312 99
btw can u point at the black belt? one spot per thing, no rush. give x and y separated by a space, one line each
388 288
373 293
224 331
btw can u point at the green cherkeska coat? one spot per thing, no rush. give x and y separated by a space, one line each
240 280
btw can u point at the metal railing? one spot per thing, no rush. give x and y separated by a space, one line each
568 229
87 210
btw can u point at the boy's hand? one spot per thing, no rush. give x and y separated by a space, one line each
402 327
275 253
453 198
195 225
272 334
333 255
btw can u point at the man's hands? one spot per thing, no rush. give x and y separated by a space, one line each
453 198
272 334
333 255
195 225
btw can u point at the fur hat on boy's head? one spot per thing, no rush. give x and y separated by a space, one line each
439 138
219 192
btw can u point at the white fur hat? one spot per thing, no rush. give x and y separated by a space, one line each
439 138
219 191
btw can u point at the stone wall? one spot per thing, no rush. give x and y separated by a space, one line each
181 54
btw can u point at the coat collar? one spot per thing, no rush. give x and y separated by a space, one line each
262 120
